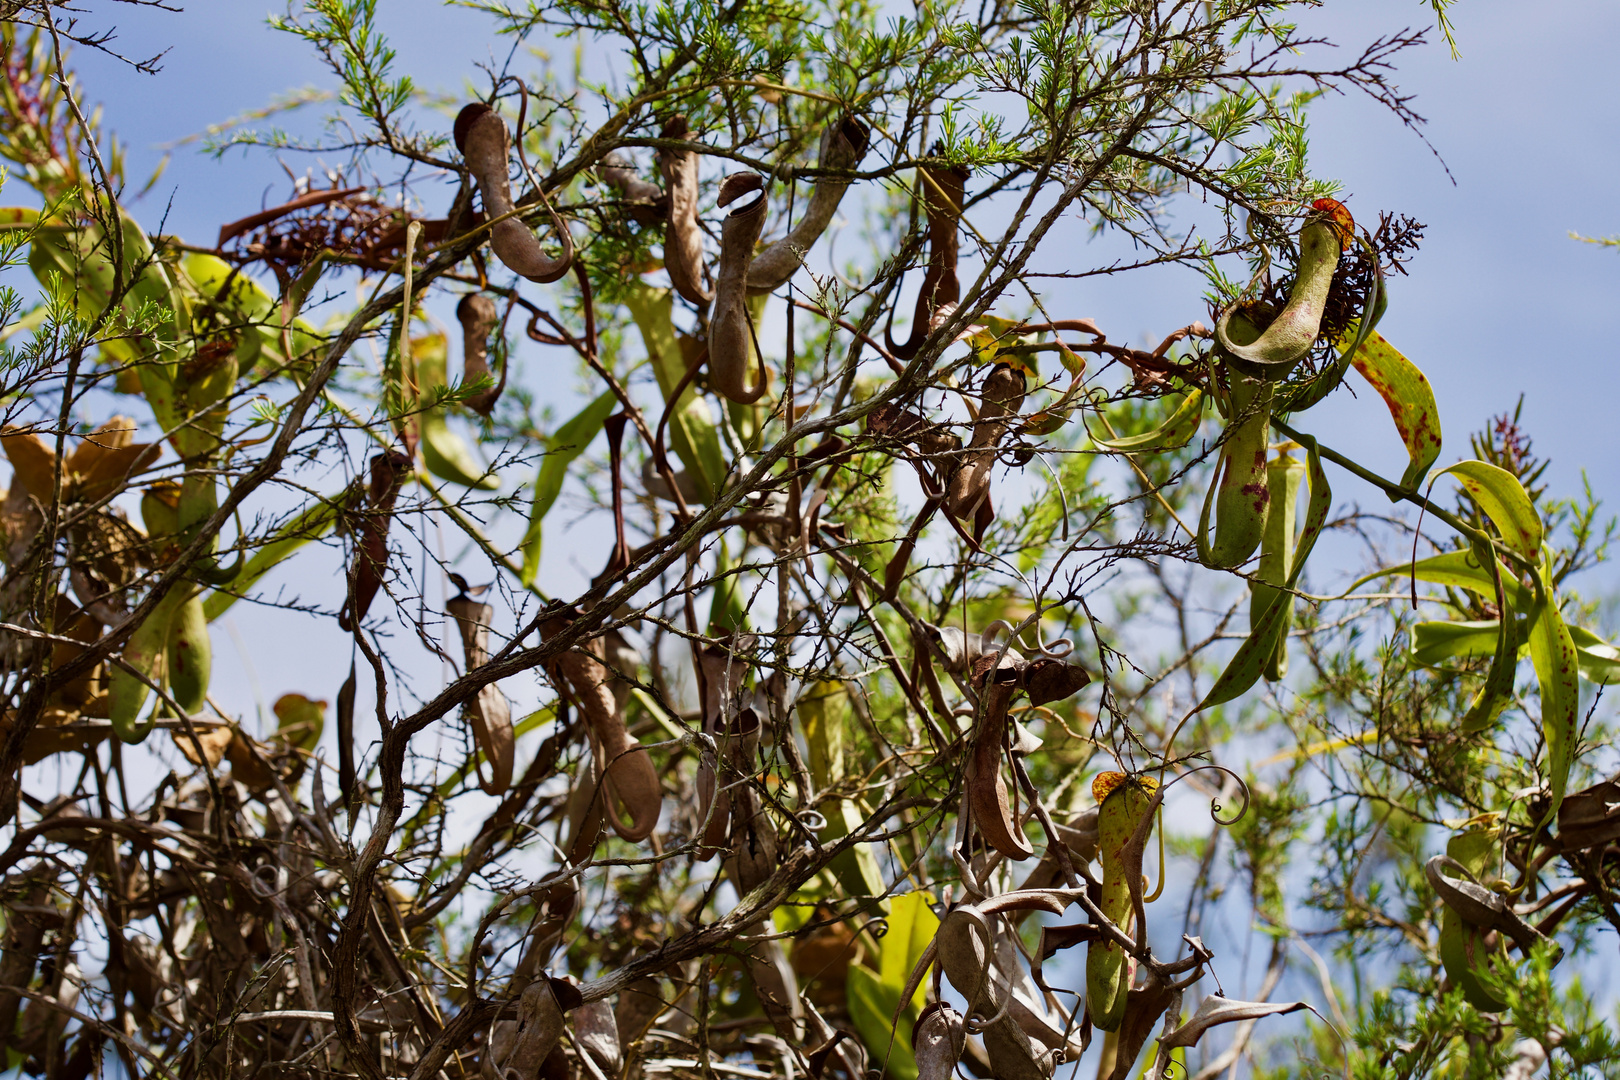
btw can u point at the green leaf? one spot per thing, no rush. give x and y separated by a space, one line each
1552 651
1600 661
244 298
857 869
1249 662
823 713
825 716
1431 644
1410 398
245 302
993 342
1497 689
871 1008
692 431
565 444
1174 432
311 524
912 926
728 606
873 998
77 254
1459 569
1504 501
445 453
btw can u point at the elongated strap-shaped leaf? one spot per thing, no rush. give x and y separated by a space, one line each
728 607
1410 398
912 926
1175 432
1504 500
1283 477
1600 661
1552 651
825 717
1493 696
1461 570
692 431
877 1000
871 1008
565 444
445 453
312 523
1432 644
1247 664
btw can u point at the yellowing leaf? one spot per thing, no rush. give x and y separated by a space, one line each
990 340
1552 651
874 997
693 434
1504 501
1410 398
1174 432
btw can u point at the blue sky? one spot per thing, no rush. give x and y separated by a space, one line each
1500 300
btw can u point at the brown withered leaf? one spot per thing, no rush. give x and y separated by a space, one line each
214 742
1591 817
1048 680
249 760
1144 1006
1219 1010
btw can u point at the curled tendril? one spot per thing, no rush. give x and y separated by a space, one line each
970 880
878 928
975 1026
262 887
1215 803
813 820
1060 649
987 638
971 1023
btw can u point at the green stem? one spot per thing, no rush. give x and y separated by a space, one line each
1395 491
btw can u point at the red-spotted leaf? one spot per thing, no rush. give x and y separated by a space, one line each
1557 665
1247 664
1410 398
1504 500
